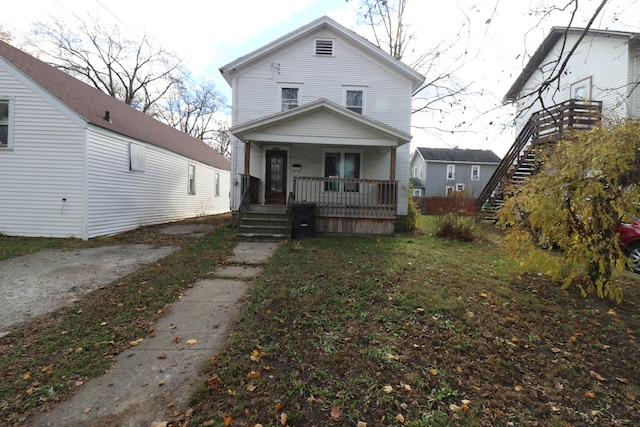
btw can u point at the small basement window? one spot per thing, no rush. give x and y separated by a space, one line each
324 47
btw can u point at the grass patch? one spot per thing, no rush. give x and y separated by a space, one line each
40 362
432 331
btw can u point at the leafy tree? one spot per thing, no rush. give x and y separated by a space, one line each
586 185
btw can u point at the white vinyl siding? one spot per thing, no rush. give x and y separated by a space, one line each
603 60
42 174
120 200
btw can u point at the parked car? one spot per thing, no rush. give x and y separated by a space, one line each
630 241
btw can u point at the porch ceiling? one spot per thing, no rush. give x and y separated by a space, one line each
321 122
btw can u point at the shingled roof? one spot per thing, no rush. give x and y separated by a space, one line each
458 155
91 104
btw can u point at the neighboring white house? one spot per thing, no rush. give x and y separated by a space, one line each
604 67
438 172
323 116
75 162
573 80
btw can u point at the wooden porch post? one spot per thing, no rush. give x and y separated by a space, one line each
392 169
247 156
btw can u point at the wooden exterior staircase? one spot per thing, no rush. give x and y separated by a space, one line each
523 159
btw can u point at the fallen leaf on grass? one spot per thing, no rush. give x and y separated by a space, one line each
47 370
597 376
361 424
214 382
251 387
227 420
589 394
253 375
283 418
336 413
400 418
387 389
27 376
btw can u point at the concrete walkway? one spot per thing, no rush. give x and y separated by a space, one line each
151 382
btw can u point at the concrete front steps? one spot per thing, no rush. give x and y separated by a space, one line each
265 222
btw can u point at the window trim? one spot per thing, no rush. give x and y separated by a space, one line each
191 178
346 89
281 87
586 83
10 119
137 157
342 153
451 172
475 177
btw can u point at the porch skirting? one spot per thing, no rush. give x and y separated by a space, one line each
327 224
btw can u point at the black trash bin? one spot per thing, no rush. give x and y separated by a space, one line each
304 220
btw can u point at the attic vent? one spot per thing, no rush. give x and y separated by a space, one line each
324 47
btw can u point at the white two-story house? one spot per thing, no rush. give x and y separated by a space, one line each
574 79
322 116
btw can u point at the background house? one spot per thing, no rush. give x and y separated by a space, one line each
75 162
322 116
599 80
437 172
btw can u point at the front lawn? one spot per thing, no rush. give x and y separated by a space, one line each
421 331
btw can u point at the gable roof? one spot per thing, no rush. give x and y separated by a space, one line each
385 134
91 104
323 22
547 45
458 155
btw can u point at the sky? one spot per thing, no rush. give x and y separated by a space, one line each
484 43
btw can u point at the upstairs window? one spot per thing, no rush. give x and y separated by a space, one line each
289 97
324 47
217 184
475 173
355 101
5 134
451 171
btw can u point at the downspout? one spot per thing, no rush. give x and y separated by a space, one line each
85 183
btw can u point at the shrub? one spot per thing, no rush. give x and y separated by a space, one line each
413 215
454 226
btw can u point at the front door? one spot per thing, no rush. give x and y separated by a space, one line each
276 180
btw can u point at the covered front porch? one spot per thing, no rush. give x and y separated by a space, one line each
321 154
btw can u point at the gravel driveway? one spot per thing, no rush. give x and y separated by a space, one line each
42 282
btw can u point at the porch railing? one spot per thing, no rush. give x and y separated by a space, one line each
348 197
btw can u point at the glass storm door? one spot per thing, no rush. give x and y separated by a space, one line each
276 179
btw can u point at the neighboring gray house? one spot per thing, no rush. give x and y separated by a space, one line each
437 172
75 162
323 116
